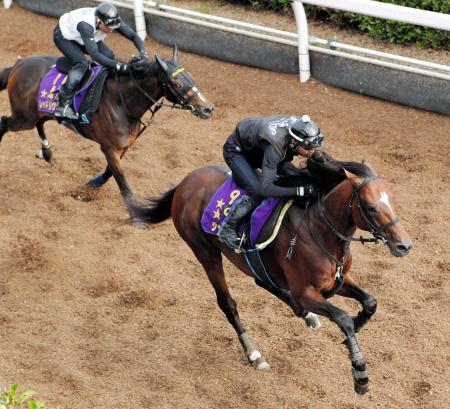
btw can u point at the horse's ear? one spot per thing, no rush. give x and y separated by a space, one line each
364 162
349 175
355 179
175 54
161 63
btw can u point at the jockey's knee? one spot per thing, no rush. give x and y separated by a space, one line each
109 54
81 66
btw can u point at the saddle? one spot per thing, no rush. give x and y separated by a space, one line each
87 98
262 226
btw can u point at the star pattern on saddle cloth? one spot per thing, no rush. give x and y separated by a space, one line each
220 203
217 214
44 94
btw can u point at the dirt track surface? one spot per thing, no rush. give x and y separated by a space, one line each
98 314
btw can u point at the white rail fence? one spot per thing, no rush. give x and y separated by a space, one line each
302 40
306 43
374 9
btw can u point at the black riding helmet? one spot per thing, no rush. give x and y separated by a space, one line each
306 133
108 15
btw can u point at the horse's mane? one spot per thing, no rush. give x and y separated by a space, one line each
325 172
144 68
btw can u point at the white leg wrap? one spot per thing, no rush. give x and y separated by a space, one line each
312 320
254 356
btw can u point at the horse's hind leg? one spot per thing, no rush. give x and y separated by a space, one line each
311 319
351 290
100 180
211 260
46 148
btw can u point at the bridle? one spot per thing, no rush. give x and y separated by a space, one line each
345 240
180 103
375 231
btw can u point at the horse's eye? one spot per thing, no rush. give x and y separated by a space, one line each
372 209
178 84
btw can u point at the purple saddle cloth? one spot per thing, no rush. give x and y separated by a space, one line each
48 95
221 203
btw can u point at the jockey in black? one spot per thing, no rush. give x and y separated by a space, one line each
269 143
81 32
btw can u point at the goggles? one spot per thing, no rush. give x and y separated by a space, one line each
112 23
310 142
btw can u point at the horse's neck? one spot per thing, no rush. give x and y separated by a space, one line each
337 206
137 103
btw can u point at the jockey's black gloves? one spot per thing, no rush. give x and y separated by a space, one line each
122 67
307 191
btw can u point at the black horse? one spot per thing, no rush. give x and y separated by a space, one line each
117 122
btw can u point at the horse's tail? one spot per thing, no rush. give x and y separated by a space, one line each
4 78
158 209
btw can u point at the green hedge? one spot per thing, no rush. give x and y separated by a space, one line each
378 28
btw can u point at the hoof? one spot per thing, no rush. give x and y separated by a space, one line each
312 321
97 182
261 365
47 154
258 362
361 386
139 224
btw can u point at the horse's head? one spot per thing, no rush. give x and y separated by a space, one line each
179 87
372 211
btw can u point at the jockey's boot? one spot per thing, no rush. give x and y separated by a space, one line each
228 233
66 93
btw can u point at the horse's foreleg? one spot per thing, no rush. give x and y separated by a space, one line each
369 304
113 157
46 148
100 180
310 318
211 260
312 300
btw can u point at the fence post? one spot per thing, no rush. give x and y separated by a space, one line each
139 19
303 40
7 3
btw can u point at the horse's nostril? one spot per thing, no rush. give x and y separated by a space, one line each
208 111
401 248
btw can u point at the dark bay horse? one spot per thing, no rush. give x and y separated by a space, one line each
117 122
315 237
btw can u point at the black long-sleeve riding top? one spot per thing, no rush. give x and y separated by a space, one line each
264 141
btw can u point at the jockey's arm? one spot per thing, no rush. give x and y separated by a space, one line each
129 33
87 35
269 168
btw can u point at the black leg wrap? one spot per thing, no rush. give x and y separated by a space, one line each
359 370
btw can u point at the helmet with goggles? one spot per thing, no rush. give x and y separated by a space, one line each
108 15
306 133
